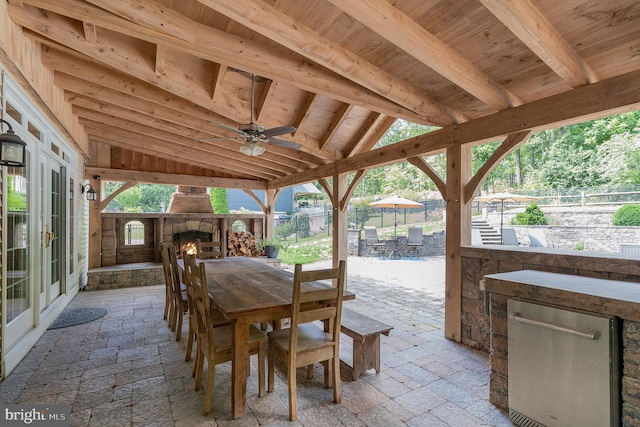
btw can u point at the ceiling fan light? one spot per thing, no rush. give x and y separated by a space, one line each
252 149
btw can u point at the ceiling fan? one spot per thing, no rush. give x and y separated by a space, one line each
254 135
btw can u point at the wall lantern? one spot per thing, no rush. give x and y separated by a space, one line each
89 192
12 148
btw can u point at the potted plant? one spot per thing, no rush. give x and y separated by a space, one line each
271 246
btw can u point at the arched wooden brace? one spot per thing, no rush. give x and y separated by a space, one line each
105 202
267 208
509 144
458 191
339 194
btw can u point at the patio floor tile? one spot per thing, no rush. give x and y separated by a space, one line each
126 369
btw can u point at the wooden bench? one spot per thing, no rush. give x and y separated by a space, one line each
365 332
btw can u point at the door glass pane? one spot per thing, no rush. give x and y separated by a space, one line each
55 226
72 228
18 212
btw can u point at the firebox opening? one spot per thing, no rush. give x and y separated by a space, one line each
186 241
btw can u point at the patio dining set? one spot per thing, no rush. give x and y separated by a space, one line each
392 248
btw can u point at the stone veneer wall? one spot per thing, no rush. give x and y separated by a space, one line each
631 373
594 237
161 227
434 244
135 275
484 317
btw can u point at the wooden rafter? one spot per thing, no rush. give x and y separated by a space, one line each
530 25
214 45
419 43
277 26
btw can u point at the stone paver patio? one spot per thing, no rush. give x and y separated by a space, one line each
126 369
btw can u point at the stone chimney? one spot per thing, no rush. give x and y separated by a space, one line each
190 200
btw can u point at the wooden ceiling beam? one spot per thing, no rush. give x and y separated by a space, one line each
219 46
277 26
607 97
158 17
112 80
160 60
532 28
106 86
158 120
376 134
266 97
385 19
87 109
373 128
176 145
219 71
304 112
58 29
334 127
121 175
90 33
114 138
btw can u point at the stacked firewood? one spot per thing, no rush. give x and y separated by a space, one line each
241 243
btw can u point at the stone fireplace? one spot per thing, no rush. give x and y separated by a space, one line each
183 232
182 228
190 200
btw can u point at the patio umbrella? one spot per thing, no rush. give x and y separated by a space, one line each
395 202
501 197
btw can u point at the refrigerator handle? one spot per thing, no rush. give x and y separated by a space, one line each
591 335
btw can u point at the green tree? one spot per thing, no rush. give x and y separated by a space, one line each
620 159
16 200
219 200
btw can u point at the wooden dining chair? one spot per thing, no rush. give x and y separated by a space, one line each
208 250
192 275
192 334
215 343
168 277
304 343
179 292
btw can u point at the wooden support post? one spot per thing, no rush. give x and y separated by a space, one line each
95 226
458 232
339 218
269 208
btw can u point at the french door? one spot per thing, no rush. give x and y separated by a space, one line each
52 231
18 300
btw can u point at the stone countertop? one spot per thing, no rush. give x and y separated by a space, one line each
603 296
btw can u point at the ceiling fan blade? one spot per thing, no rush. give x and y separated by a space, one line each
283 143
281 130
232 129
222 138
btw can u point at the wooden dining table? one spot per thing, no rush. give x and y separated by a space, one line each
246 291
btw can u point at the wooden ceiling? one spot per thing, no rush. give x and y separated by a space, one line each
146 78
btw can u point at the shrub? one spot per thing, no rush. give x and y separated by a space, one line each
283 231
300 224
628 215
532 215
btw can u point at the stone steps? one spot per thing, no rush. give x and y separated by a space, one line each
489 235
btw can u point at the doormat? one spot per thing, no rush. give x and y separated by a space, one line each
77 316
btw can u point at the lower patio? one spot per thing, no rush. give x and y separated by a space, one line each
126 369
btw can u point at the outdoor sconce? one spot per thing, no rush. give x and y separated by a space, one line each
12 148
89 192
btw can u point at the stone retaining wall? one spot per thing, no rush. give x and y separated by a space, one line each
434 244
